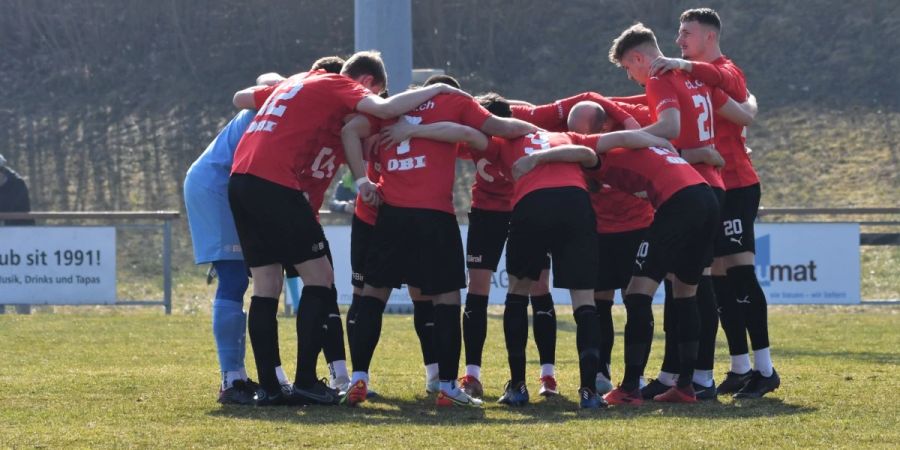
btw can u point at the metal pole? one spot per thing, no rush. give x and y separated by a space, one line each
387 26
167 265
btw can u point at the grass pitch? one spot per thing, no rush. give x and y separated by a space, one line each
140 379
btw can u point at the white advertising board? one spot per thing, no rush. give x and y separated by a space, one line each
57 265
797 263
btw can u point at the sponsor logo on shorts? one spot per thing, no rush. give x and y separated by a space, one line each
474 258
318 246
357 276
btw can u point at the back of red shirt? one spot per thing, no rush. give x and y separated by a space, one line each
554 116
730 140
618 211
292 136
543 176
493 187
651 173
696 103
419 173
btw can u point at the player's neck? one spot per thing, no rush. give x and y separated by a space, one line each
713 54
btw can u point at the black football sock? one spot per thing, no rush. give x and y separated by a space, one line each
333 346
262 324
544 322
671 361
474 324
351 317
709 323
423 320
607 335
448 335
587 336
310 336
733 322
638 334
366 332
752 302
515 332
688 336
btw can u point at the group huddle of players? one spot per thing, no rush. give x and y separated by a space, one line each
611 192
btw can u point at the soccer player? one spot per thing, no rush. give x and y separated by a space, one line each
215 241
553 213
554 116
416 237
488 229
741 299
681 108
284 149
622 221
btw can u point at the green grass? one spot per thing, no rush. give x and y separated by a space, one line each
140 379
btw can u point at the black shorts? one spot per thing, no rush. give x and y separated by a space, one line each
487 235
735 231
559 221
291 272
678 240
360 238
420 247
275 224
709 254
616 258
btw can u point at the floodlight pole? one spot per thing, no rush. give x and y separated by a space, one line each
387 26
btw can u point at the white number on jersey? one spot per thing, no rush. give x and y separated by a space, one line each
404 146
272 108
321 165
540 139
705 130
671 157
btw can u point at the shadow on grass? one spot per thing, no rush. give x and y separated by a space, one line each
870 357
421 411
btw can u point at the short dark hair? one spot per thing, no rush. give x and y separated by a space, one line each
366 63
330 64
706 16
495 104
441 78
632 37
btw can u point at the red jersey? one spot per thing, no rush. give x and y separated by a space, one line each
290 141
493 186
554 116
366 212
730 140
695 102
543 176
651 173
618 211
419 173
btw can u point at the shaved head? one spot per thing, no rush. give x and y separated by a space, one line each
586 118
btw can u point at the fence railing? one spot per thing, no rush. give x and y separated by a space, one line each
867 238
162 220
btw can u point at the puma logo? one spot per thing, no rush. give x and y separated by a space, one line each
548 313
745 300
737 240
639 263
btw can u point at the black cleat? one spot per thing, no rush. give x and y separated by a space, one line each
705 393
759 385
733 382
283 397
237 394
653 389
514 395
317 394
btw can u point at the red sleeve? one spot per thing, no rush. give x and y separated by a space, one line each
463 151
612 109
543 116
661 95
587 140
471 113
633 100
348 92
726 76
261 94
641 113
719 98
